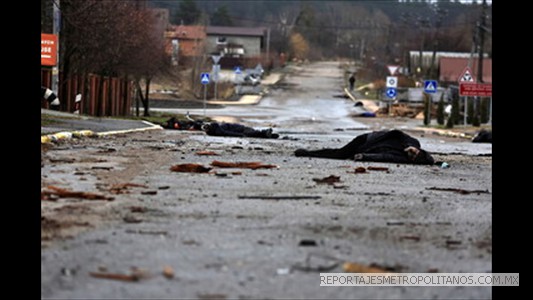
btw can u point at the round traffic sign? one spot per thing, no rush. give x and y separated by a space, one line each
391 92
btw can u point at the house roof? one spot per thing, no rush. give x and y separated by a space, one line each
242 31
451 68
188 32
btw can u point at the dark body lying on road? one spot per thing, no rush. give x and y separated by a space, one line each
392 146
220 129
237 130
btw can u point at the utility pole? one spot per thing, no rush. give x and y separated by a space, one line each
481 34
56 26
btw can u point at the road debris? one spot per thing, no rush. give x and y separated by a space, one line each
149 193
62 160
190 168
131 219
283 271
168 272
307 243
207 153
410 237
315 262
281 197
135 275
138 209
212 296
459 191
351 267
149 232
102 168
394 223
64 193
360 170
371 168
245 165
331 179
121 188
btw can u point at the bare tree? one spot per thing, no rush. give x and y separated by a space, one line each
110 38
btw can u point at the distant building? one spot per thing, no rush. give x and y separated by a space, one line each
245 42
185 41
451 68
427 57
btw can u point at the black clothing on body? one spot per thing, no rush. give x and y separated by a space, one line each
238 130
377 146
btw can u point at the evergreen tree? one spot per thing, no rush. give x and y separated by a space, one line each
221 17
484 110
188 13
427 109
455 110
470 114
440 111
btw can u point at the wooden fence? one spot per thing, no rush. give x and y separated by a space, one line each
100 96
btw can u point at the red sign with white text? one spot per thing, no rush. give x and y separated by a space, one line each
475 89
48 49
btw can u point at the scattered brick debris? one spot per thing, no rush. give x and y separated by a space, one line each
190 168
64 193
246 165
168 272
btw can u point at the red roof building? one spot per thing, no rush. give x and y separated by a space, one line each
451 68
190 39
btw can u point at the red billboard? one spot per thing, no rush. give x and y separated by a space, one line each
48 49
475 89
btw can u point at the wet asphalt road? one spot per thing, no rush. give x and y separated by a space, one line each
225 239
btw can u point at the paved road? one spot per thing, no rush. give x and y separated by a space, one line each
224 235
305 103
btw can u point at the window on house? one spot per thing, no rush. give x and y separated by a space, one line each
222 40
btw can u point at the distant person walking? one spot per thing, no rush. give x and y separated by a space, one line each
352 81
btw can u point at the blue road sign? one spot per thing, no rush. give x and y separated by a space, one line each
204 78
391 92
238 70
430 86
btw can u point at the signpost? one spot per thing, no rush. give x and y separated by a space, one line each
392 69
204 79
475 89
466 76
48 49
392 81
391 92
216 69
430 86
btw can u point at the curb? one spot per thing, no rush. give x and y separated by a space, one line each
89 133
447 133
